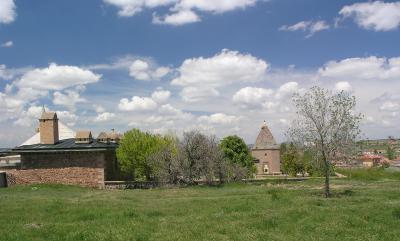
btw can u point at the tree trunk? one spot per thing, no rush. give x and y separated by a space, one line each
327 173
327 189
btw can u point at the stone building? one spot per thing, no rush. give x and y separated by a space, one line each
266 153
81 160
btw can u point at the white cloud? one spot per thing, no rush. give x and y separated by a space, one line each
142 70
99 109
219 119
287 90
371 68
128 8
181 11
178 18
268 99
7 11
220 6
311 27
201 77
104 117
343 86
57 77
4 74
390 106
161 96
139 69
169 110
251 97
67 117
27 117
137 104
377 15
69 99
7 44
197 93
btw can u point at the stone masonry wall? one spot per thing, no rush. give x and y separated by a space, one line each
88 177
84 168
267 157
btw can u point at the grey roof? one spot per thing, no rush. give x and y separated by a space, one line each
265 139
4 151
65 145
48 116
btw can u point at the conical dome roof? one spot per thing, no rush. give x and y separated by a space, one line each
265 139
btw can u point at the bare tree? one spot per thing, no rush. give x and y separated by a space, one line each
166 164
193 148
327 124
202 158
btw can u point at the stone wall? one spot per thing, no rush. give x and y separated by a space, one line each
267 157
88 177
85 168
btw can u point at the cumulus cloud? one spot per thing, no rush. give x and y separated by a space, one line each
57 77
390 105
178 18
201 77
4 74
128 8
181 11
104 117
142 70
343 86
362 68
377 15
251 97
268 99
193 94
137 104
7 44
69 99
63 83
161 96
287 90
7 11
219 119
28 117
311 27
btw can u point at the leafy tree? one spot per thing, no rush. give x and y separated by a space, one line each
390 153
326 124
135 150
291 161
236 151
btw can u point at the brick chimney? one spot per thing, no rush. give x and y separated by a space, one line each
48 128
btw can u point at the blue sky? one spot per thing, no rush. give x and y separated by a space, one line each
219 66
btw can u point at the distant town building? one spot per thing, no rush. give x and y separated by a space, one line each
266 153
371 160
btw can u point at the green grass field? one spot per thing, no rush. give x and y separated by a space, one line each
359 210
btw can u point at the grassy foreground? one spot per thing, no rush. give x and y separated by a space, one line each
359 210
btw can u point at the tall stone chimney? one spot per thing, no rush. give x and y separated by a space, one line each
48 128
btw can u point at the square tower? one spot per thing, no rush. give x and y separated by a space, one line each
266 153
48 128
